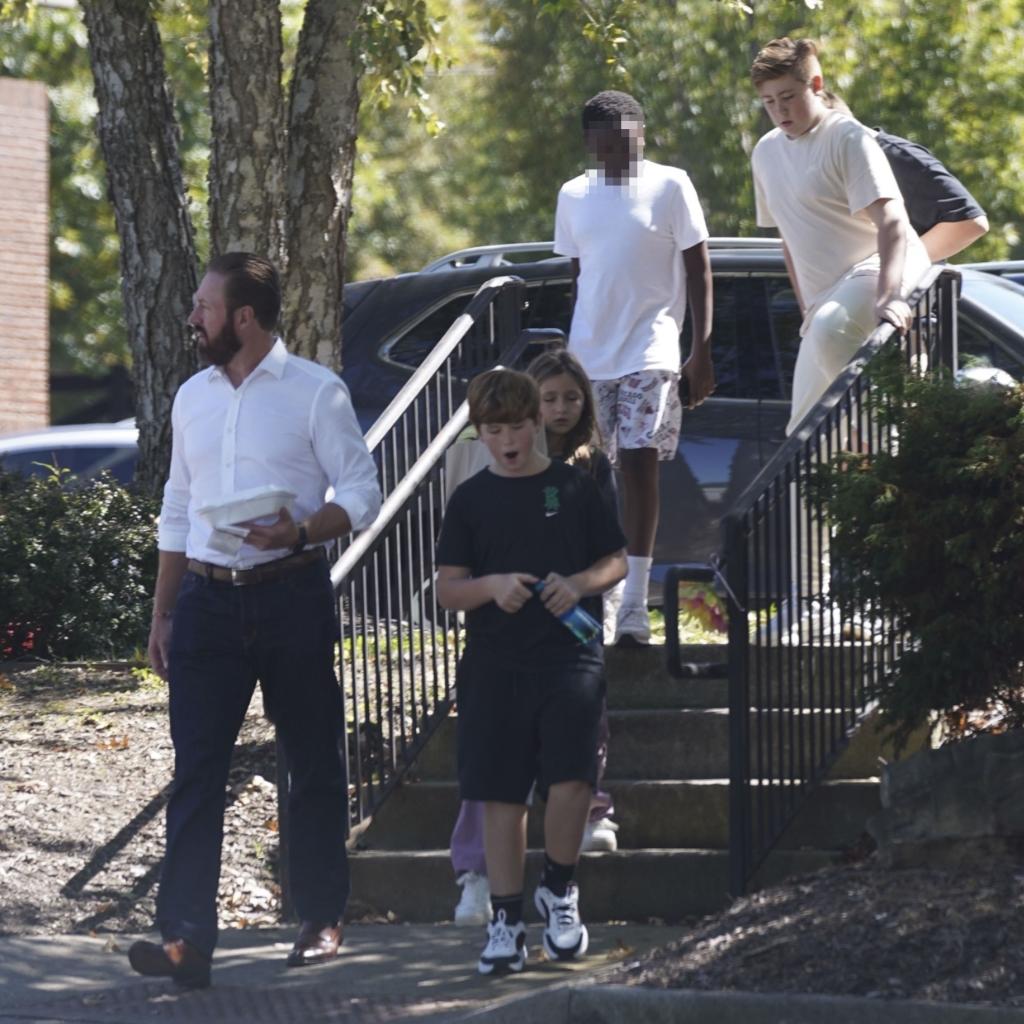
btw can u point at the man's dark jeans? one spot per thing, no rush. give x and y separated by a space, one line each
224 639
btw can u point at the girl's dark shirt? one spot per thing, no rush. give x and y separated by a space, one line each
554 521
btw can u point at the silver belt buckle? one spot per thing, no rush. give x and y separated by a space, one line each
236 577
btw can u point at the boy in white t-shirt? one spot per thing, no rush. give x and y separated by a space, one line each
822 180
635 233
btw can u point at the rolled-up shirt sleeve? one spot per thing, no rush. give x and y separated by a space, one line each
342 453
172 528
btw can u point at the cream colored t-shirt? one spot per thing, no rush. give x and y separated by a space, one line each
815 190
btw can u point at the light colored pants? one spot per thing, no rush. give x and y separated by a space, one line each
831 334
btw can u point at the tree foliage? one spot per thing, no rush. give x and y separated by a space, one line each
498 84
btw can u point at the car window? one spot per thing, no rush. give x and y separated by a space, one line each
777 356
82 461
726 332
548 305
412 347
977 348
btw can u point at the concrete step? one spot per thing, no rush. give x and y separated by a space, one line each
684 743
651 815
637 885
638 677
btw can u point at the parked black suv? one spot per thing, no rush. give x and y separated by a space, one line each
391 324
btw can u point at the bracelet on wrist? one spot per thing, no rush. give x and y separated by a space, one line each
162 615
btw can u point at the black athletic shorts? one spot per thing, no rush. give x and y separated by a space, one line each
520 724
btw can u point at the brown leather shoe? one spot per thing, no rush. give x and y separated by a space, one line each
175 959
316 943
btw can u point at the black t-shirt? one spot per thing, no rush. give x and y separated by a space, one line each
931 194
554 521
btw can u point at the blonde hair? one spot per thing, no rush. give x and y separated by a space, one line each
581 441
785 56
502 396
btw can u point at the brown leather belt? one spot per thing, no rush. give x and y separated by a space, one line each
264 573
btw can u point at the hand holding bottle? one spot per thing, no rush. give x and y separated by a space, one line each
558 593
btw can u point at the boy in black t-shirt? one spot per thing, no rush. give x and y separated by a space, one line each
529 695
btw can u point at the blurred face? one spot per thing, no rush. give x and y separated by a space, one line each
511 446
792 105
616 150
212 322
561 405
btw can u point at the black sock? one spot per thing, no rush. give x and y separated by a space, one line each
512 905
557 876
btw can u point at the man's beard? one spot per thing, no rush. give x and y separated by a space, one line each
220 349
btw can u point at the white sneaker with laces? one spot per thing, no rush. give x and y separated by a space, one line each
633 625
474 906
506 947
600 836
565 935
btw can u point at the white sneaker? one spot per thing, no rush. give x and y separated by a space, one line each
633 625
506 947
474 906
611 601
600 835
565 936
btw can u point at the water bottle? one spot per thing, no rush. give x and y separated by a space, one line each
577 620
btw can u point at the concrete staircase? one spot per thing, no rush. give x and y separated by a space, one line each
668 773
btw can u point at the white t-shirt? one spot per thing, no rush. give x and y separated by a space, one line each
631 292
815 190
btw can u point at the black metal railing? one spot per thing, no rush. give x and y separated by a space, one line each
803 667
398 647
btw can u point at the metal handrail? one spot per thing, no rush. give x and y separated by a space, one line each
803 678
438 356
398 648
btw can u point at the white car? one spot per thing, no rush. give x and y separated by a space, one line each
85 450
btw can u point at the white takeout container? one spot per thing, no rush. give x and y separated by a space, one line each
244 506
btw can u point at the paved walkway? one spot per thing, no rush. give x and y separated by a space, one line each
386 973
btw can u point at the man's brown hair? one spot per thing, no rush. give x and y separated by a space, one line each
785 56
502 396
249 280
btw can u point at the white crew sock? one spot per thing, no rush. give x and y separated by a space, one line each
638 576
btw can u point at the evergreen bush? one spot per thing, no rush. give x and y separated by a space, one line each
77 564
933 532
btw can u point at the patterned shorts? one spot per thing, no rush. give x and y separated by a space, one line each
641 410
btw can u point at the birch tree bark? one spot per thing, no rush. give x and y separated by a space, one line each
323 108
247 147
140 140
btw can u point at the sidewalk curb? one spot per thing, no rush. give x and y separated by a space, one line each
580 1003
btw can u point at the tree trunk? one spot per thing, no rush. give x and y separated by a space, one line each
140 139
324 105
247 137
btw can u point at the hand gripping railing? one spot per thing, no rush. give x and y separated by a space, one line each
802 668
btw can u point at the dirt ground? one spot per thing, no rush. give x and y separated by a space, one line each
85 761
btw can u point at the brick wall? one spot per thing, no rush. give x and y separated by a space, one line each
24 256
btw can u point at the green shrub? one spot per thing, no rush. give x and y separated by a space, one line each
77 565
934 533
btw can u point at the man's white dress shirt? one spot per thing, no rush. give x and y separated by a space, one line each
290 424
